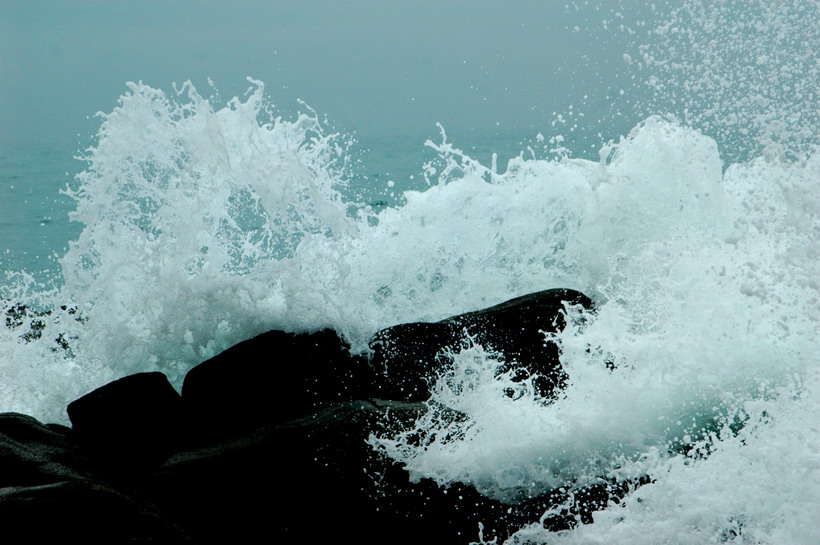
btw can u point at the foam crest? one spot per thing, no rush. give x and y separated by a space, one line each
756 486
182 203
708 306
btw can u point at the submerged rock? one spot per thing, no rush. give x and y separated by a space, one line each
408 357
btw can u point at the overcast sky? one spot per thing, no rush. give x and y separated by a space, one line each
372 67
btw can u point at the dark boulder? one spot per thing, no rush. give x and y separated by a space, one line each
273 377
32 453
306 480
130 425
269 442
408 357
82 512
315 479
52 491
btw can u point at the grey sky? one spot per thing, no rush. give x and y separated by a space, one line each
373 67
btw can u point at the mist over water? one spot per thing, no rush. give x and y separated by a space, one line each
206 222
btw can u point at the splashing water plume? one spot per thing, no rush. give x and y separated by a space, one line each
698 236
743 72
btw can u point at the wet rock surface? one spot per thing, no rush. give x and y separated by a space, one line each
407 357
274 377
269 441
129 425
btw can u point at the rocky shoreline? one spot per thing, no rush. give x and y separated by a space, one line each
268 441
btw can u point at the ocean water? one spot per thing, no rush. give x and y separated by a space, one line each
189 225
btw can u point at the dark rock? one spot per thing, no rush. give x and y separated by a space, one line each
269 443
52 492
303 480
315 479
32 322
130 425
81 512
271 378
408 357
18 315
571 506
33 454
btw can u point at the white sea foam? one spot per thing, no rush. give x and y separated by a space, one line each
705 309
205 224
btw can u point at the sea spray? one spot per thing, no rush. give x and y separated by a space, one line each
181 204
193 199
697 236
691 339
744 72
